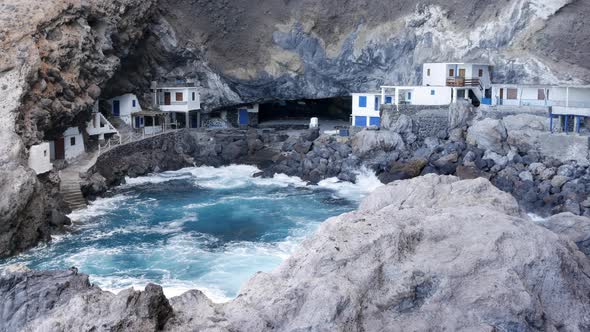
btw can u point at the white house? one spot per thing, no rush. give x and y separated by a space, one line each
149 122
180 100
442 84
99 125
365 109
40 158
123 106
69 146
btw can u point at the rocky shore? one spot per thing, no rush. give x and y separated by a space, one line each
430 253
547 173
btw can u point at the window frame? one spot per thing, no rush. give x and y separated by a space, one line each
177 95
73 141
362 102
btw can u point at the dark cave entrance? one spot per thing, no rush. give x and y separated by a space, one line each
331 112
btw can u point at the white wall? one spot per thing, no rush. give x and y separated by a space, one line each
368 111
187 103
126 106
40 158
424 96
73 151
578 97
438 74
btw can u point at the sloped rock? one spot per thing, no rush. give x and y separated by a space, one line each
488 134
371 140
574 228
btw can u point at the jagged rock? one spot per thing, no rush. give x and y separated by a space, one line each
573 227
488 134
403 170
383 140
460 113
66 301
433 246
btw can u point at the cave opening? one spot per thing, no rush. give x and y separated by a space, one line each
333 113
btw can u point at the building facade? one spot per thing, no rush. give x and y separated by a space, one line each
180 101
40 158
125 105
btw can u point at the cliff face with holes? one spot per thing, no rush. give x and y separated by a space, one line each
59 56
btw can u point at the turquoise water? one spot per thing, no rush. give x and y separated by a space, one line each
205 228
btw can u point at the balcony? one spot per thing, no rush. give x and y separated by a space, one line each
462 82
173 103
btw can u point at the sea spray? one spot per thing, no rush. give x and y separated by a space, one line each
196 228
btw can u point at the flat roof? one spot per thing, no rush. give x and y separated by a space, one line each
171 85
459 63
541 86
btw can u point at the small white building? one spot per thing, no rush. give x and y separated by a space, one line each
99 125
40 158
69 146
365 109
180 100
149 122
443 83
123 106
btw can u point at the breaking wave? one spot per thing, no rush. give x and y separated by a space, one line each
197 228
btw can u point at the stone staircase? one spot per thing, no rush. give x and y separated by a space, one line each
70 188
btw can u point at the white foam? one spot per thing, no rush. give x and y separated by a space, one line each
366 182
99 207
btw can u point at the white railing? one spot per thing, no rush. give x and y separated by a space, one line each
131 138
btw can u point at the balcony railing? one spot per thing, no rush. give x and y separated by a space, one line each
173 103
462 81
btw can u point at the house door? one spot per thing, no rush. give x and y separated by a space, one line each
167 98
116 108
137 122
501 96
244 118
462 73
360 121
60 149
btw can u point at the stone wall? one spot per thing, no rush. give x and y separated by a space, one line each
427 121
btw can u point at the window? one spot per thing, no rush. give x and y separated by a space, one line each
512 94
409 96
72 141
194 96
428 72
451 72
141 121
149 121
389 100
363 101
377 102
541 94
480 73
44 153
134 103
179 96
432 92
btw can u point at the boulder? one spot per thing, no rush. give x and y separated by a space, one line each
573 227
487 134
403 170
370 140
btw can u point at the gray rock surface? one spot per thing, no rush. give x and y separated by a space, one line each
488 134
376 140
415 250
573 227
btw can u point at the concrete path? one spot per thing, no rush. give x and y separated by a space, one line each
70 180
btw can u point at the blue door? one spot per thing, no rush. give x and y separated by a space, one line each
374 121
137 122
116 108
243 117
360 121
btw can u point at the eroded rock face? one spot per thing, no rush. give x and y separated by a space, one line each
55 57
430 247
310 49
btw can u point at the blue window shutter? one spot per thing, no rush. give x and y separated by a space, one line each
244 117
409 96
377 102
134 102
360 121
363 101
116 108
432 92
374 121
388 100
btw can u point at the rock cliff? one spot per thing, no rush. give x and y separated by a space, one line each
431 253
56 56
